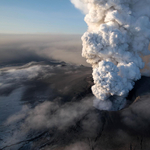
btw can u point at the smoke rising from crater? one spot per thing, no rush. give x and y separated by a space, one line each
118 35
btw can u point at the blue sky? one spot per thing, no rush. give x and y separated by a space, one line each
40 16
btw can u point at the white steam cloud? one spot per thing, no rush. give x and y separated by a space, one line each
118 35
80 5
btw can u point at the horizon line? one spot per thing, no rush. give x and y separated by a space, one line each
41 33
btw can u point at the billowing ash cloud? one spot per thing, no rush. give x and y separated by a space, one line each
118 35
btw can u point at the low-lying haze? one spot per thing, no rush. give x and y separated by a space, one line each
26 48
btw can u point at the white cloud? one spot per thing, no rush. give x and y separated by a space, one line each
118 34
80 5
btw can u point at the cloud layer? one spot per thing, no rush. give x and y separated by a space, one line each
26 48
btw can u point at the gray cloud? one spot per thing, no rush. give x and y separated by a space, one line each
49 115
14 77
26 48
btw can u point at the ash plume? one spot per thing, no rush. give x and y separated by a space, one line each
79 5
118 35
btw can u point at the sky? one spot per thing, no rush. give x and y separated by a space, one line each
40 16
